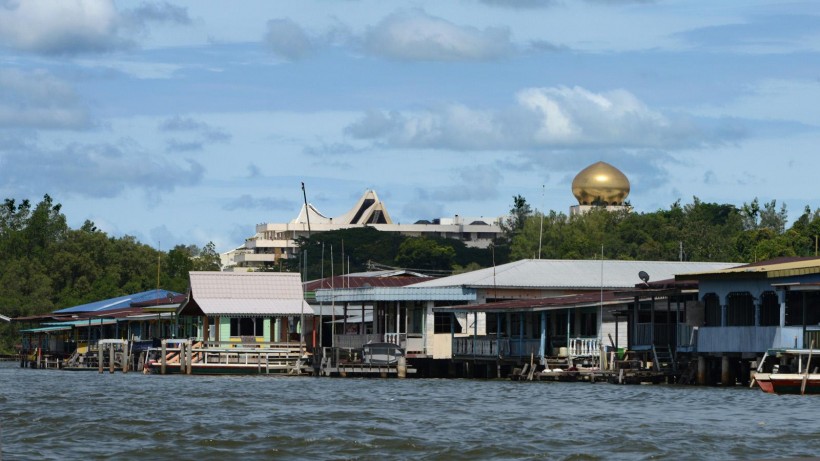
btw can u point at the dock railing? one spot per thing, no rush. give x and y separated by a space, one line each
486 347
583 347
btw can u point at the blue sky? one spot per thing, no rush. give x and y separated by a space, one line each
189 122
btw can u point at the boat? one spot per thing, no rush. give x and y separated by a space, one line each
788 371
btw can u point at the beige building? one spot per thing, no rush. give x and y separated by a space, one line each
275 241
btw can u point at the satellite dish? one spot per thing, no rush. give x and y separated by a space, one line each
643 276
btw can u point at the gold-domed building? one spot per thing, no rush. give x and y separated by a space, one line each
600 184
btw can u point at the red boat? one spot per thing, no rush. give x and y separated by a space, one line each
790 375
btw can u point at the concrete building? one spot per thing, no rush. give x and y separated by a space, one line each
273 242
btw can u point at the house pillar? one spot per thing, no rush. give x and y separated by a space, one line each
781 297
726 377
652 322
543 346
701 370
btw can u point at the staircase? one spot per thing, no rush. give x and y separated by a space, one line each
664 359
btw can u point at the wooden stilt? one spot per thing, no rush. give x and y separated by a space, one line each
163 359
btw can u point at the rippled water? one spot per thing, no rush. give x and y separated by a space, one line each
84 415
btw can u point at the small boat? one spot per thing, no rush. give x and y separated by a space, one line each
789 383
787 371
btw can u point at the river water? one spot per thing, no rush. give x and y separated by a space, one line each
49 414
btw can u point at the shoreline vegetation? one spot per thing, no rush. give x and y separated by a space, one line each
46 265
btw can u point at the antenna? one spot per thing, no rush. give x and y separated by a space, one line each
541 229
307 210
644 277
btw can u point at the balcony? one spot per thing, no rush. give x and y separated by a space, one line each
491 347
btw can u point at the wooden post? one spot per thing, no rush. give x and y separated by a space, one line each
182 356
190 359
111 355
701 370
100 356
726 372
126 357
401 368
808 362
163 359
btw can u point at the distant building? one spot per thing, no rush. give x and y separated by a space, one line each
276 241
600 185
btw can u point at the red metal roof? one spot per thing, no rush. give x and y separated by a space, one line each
359 282
609 297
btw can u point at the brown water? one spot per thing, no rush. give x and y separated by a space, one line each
84 415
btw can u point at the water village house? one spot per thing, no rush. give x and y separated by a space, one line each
429 319
73 332
749 309
236 307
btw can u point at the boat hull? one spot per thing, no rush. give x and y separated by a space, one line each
788 383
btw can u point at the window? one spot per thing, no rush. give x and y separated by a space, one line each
443 321
247 326
769 309
711 308
740 309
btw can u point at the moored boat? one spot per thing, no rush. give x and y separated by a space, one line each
791 374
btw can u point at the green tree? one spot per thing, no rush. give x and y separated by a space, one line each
419 253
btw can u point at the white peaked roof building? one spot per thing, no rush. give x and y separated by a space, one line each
573 275
275 241
245 294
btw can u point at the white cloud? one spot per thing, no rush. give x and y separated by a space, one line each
38 100
56 27
92 170
59 26
543 118
415 35
288 40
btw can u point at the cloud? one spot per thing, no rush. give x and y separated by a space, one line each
63 27
520 3
473 183
416 36
254 171
757 34
68 27
37 99
545 118
200 131
247 202
93 170
332 150
156 12
288 40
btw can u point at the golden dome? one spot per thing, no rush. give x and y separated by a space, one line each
600 184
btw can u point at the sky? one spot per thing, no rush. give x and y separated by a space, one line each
191 122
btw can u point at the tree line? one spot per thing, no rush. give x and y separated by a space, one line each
45 265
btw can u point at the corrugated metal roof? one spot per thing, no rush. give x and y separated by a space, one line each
46 329
248 293
121 302
253 307
357 282
606 298
568 274
780 267
397 294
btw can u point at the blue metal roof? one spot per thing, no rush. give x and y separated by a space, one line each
120 302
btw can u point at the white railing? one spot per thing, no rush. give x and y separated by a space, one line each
583 347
